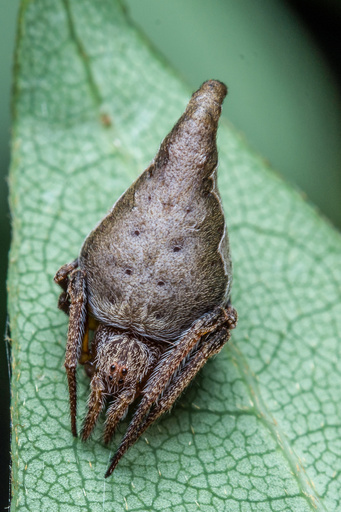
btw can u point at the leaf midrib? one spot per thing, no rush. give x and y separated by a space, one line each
268 420
84 59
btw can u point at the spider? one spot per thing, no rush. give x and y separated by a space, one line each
153 280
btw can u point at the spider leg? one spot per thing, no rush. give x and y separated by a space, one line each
78 314
61 278
168 365
212 346
62 275
64 303
96 403
116 412
85 355
209 348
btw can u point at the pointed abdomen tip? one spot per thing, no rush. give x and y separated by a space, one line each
209 97
218 89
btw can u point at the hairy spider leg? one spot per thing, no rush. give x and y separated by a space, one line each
85 355
62 275
62 278
196 361
212 345
116 412
88 350
171 361
96 403
118 408
78 315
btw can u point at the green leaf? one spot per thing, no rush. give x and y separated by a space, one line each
259 430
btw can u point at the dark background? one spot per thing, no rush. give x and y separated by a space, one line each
323 23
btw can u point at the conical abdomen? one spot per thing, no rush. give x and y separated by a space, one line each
160 258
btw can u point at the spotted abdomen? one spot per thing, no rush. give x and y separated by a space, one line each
160 258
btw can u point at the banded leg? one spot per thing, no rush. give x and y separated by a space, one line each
77 291
169 364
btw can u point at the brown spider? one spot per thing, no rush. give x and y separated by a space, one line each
153 278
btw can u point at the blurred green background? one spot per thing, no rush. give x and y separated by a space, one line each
281 62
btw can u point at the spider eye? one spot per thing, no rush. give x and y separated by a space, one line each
110 377
112 367
120 381
124 371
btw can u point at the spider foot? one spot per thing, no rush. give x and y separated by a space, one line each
231 316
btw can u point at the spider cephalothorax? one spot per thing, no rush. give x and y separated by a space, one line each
120 365
155 275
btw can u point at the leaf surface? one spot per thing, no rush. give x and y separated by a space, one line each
259 430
